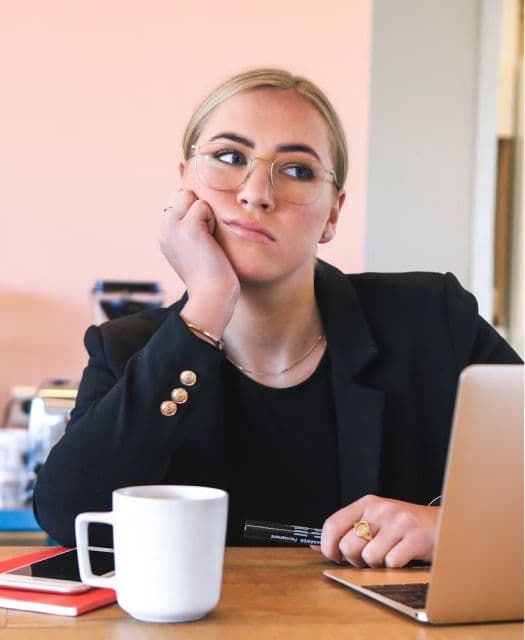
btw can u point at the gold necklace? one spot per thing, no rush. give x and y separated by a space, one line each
276 373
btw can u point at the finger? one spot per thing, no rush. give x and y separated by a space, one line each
169 204
375 552
351 548
200 213
179 204
209 217
401 554
337 525
413 546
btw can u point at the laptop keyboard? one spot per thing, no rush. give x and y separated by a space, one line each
413 595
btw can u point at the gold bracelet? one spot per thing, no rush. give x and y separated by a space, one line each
218 343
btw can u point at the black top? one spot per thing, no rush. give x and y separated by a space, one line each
396 343
277 441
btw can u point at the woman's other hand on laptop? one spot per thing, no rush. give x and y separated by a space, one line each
391 533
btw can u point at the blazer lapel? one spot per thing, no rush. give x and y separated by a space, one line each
359 409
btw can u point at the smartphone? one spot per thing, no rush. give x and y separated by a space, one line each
58 574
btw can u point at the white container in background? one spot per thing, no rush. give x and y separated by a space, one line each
14 477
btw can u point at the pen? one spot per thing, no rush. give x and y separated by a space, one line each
295 534
284 533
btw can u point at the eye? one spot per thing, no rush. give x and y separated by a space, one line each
230 156
298 171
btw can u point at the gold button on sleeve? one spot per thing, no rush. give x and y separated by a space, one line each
168 408
179 395
188 378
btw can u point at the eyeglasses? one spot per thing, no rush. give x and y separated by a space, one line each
296 177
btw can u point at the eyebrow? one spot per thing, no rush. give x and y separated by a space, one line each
282 148
234 137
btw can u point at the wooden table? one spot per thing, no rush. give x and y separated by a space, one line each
270 593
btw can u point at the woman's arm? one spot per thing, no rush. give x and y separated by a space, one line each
404 531
117 435
473 340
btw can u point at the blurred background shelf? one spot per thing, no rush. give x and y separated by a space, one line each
19 527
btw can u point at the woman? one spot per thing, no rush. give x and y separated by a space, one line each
311 396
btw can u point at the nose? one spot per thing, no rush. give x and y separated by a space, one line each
256 191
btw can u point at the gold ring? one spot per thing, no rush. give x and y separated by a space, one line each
362 530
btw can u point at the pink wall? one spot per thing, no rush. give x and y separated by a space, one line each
95 97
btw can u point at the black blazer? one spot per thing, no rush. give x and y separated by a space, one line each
397 343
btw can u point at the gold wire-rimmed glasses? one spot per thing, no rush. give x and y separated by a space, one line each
296 177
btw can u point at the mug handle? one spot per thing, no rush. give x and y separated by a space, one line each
87 576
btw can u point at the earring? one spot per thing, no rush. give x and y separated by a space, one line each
326 235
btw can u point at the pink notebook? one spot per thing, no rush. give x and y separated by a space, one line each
56 603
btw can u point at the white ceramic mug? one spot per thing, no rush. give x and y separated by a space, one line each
169 550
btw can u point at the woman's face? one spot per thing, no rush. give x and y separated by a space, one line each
266 237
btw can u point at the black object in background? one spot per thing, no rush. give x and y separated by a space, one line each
115 299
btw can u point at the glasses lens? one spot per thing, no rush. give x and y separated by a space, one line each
298 178
221 166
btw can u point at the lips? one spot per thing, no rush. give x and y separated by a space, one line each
249 230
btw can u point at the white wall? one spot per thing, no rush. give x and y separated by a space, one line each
518 249
443 88
422 136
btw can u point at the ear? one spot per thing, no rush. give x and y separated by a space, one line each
331 223
182 166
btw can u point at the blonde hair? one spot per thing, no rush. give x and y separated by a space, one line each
276 79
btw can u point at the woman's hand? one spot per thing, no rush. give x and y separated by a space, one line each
401 532
188 243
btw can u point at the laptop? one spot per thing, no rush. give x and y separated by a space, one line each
477 569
